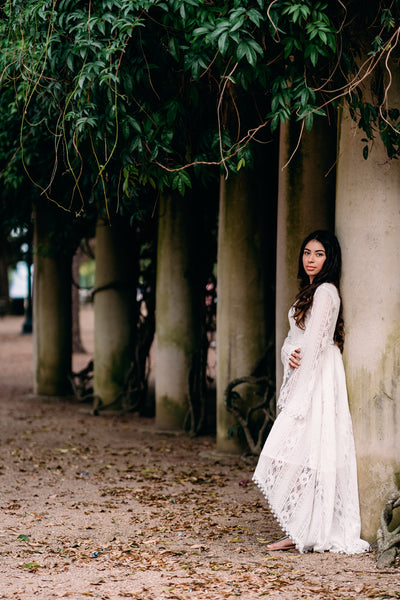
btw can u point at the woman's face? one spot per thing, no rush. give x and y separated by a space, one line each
314 257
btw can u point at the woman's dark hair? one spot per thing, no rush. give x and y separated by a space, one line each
330 273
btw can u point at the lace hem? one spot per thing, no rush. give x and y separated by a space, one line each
296 542
358 547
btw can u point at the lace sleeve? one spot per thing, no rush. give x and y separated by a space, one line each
297 387
288 347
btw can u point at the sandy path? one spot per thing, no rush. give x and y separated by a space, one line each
108 507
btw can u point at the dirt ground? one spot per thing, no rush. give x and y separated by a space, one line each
108 507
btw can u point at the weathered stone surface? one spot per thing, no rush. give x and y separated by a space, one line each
368 225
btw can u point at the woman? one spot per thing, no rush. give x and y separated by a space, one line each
307 468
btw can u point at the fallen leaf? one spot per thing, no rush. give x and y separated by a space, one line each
32 566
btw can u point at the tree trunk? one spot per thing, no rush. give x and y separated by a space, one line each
306 202
115 308
368 225
178 319
246 269
51 304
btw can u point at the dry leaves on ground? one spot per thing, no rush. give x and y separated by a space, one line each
107 507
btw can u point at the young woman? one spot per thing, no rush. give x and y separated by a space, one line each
307 468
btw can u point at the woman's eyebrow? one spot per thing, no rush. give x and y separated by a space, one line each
314 250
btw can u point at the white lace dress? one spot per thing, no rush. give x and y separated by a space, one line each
307 468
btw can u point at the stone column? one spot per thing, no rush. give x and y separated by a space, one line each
245 308
52 316
77 345
114 308
306 201
368 227
177 319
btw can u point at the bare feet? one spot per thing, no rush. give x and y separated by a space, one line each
284 543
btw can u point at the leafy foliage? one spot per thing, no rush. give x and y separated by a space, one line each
112 100
105 94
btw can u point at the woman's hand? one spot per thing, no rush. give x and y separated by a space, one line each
295 359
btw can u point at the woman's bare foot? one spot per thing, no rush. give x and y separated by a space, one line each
284 543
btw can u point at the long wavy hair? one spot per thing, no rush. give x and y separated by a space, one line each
330 273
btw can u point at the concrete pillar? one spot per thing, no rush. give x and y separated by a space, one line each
368 227
52 316
177 319
114 308
245 309
306 201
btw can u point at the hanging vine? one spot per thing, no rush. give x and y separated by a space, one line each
117 95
